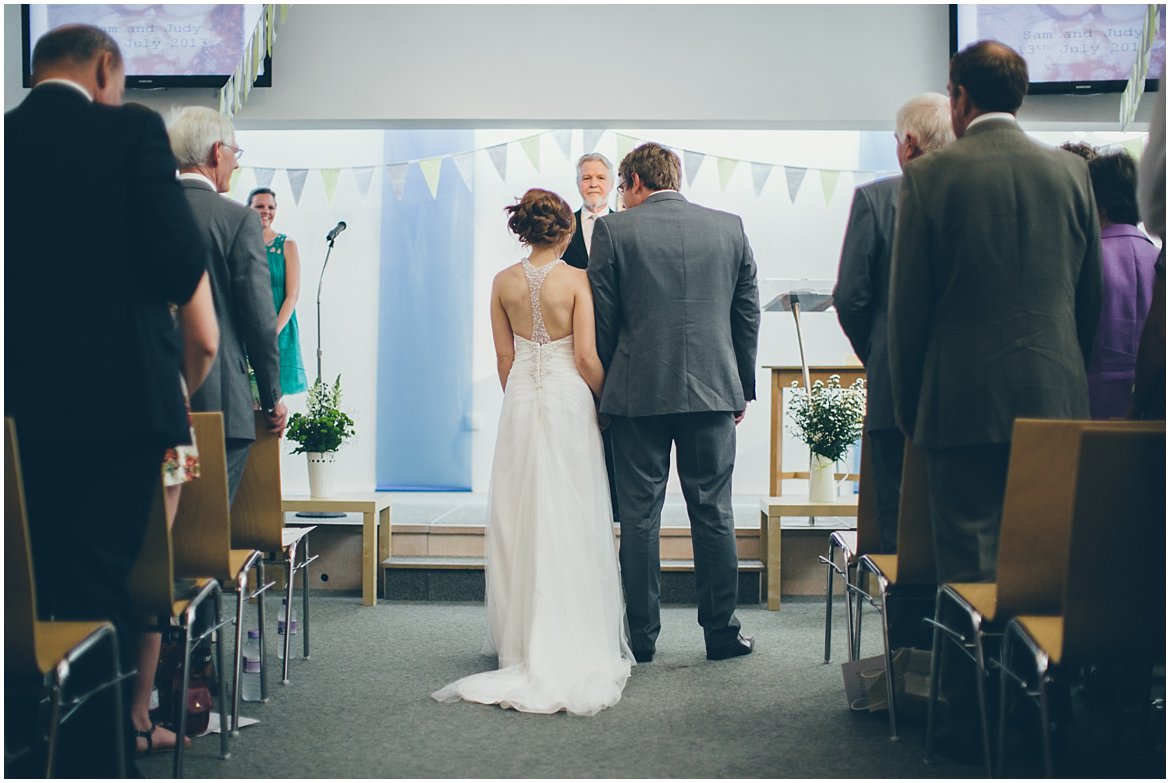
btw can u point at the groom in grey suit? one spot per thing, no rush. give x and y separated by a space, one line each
204 145
678 316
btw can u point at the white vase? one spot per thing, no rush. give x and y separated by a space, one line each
322 471
822 483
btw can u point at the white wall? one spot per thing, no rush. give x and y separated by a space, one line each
738 66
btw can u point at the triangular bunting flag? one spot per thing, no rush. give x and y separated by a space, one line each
465 165
829 179
499 156
691 163
430 171
297 178
270 21
330 178
726 169
624 145
564 138
362 177
264 177
235 178
1133 147
531 147
795 176
590 137
760 174
397 175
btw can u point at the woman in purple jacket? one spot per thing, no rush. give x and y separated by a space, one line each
1127 260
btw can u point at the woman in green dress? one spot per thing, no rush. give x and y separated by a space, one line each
284 263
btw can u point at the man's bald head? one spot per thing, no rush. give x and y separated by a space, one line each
83 54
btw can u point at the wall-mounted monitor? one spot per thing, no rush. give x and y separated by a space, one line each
163 45
1070 49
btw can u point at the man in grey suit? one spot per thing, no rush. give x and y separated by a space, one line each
678 315
861 296
204 145
994 299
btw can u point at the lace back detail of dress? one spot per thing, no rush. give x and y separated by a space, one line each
536 275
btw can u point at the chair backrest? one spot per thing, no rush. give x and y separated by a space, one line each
202 532
257 515
916 562
1115 588
20 600
869 537
152 579
1045 473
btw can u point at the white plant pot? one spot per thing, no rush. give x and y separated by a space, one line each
322 473
822 483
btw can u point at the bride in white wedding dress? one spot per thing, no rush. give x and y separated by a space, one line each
555 610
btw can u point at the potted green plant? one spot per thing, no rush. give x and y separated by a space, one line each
828 421
319 433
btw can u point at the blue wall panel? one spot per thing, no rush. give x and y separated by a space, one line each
424 325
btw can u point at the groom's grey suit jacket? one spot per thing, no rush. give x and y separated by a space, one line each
677 307
241 288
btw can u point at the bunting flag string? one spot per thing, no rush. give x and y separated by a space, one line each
234 93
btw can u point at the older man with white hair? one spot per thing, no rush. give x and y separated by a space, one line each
595 181
205 148
861 296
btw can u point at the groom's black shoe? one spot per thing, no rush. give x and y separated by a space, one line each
643 656
741 645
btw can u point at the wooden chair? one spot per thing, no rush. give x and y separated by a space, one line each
258 521
48 649
1112 610
908 574
205 502
195 552
1033 550
852 544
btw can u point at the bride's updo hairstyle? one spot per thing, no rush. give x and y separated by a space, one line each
541 218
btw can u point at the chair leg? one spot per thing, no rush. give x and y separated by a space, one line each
290 571
889 663
851 605
56 696
223 713
241 601
260 621
185 624
1045 723
1005 662
304 627
935 677
862 580
830 567
981 694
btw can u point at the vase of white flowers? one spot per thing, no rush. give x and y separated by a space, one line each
828 421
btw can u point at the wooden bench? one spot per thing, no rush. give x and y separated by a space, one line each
797 516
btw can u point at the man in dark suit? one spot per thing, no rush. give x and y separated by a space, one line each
678 316
206 151
98 239
861 296
595 182
994 298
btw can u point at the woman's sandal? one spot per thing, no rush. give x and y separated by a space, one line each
148 735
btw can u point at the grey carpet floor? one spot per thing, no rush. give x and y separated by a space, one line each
360 707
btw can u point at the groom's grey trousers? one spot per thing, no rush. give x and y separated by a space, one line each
705 444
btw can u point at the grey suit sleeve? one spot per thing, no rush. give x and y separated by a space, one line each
606 302
1089 284
910 302
853 294
255 310
745 319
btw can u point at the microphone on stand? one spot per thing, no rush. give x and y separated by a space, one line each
332 235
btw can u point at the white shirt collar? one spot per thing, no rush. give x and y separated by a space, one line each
586 211
71 83
195 176
991 115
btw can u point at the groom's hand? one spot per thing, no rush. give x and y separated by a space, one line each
602 421
739 416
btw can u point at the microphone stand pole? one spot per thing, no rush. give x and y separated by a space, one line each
320 281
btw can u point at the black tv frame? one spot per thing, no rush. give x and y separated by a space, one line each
139 82
1055 88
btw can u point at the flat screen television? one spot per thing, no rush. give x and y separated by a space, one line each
163 45
1070 49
